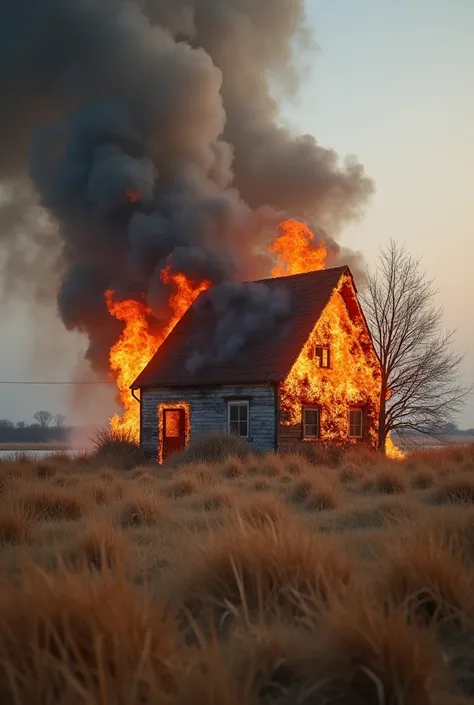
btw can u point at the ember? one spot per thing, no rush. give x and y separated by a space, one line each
132 196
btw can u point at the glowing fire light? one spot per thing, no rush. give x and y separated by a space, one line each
297 250
132 196
353 378
136 346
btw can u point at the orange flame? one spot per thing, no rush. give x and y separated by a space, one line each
297 250
350 377
136 346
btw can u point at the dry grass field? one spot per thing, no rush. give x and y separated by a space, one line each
341 579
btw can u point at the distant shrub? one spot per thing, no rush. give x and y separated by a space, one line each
118 449
212 448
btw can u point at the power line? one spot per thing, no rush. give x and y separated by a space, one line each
51 383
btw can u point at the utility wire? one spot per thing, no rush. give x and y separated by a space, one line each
51 383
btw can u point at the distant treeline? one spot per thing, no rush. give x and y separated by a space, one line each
47 428
449 429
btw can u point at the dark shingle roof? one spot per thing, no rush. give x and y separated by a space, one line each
266 360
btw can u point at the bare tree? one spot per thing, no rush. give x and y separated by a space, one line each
59 420
43 418
422 388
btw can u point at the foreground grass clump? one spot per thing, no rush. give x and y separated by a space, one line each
65 634
118 449
368 657
428 573
247 568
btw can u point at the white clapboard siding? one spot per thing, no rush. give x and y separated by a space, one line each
208 412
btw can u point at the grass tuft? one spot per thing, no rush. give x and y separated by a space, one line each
16 524
119 449
100 545
53 504
454 490
142 508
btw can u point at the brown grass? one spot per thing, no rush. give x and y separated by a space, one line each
247 568
391 480
65 635
16 524
422 480
429 574
142 508
316 495
366 656
455 490
183 486
263 509
100 545
52 503
269 599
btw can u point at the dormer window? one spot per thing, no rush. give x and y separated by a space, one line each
321 356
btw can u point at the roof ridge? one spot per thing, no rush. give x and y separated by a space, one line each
295 276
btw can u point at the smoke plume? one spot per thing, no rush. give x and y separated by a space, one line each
243 313
150 132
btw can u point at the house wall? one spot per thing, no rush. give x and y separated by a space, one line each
208 412
352 380
291 435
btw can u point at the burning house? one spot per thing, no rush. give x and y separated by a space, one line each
275 362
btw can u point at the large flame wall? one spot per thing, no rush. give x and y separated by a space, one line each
353 379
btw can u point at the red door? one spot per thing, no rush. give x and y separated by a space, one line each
174 431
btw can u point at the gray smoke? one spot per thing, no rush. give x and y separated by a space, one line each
150 132
242 313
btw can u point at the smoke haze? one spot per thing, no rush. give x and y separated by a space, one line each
150 133
242 312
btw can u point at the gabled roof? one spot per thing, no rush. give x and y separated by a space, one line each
266 360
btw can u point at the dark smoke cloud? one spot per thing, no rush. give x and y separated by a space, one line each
243 313
150 132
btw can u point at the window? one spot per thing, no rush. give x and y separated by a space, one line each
355 423
238 418
310 422
321 356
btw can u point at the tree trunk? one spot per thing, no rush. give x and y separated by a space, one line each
382 434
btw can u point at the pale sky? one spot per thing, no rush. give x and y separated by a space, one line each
392 83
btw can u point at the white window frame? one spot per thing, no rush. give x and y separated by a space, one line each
239 403
311 408
356 409
323 347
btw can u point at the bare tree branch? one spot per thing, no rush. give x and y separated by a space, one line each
422 389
